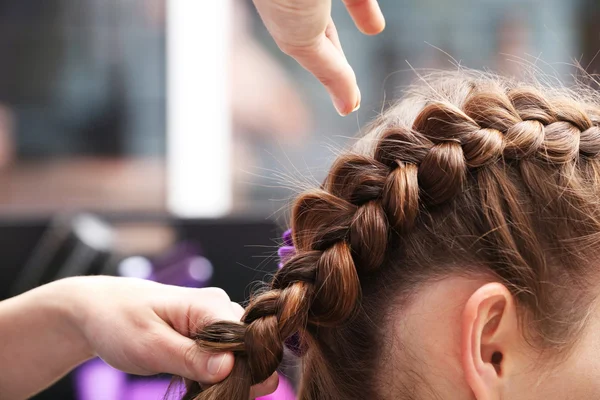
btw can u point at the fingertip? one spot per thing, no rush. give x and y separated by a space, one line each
238 310
376 25
219 366
373 27
359 100
382 25
341 106
346 107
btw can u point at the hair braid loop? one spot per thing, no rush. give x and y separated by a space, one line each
484 147
335 274
589 142
356 179
443 172
442 123
301 268
368 236
401 196
401 145
492 110
524 139
320 219
561 143
292 306
566 111
264 347
531 105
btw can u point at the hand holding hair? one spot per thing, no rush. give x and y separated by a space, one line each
137 326
304 30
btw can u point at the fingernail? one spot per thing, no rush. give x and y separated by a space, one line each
358 101
339 106
215 363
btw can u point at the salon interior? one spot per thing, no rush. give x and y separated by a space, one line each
164 139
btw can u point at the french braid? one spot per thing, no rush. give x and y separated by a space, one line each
343 231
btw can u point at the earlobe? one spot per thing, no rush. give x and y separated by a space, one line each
489 337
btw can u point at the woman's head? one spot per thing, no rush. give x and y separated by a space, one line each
451 254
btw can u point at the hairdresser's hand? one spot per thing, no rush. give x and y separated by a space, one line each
143 327
305 30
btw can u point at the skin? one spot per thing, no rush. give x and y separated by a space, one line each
304 30
467 321
137 326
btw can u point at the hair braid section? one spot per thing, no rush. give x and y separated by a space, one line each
305 292
447 141
362 182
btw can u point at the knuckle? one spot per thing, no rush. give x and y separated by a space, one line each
140 322
296 51
215 293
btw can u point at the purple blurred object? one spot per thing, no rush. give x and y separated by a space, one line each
182 266
147 389
285 253
288 250
288 239
95 380
178 252
284 391
192 271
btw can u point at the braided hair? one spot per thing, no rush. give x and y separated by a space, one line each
467 172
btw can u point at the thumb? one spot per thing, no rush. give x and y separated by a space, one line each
329 65
181 356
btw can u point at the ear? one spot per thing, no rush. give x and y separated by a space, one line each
490 339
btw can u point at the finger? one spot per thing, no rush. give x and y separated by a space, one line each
179 355
211 304
332 33
238 310
366 15
329 65
265 388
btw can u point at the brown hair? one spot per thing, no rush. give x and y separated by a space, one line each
469 174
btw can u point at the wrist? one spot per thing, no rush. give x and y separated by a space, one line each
62 300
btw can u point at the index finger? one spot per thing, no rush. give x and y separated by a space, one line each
328 64
366 15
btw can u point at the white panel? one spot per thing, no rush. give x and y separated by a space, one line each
198 121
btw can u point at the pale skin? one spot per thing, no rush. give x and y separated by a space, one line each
468 323
137 326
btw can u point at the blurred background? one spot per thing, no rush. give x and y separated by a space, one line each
163 139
